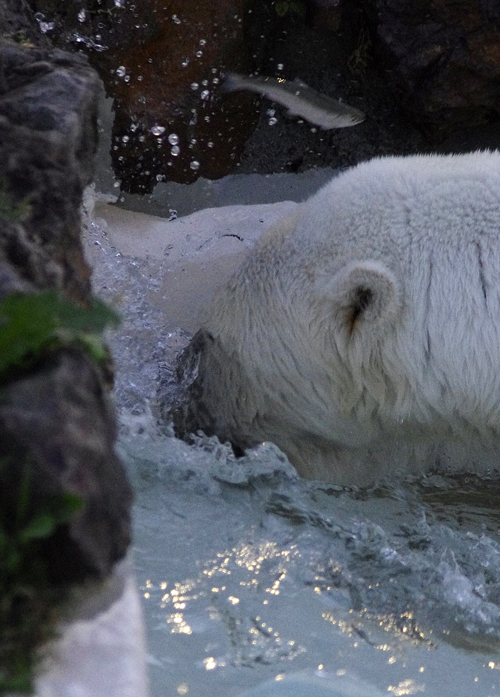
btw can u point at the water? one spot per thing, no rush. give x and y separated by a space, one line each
250 574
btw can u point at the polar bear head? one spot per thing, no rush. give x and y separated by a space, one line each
362 336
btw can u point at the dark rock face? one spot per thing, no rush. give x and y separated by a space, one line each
56 419
444 58
48 137
59 420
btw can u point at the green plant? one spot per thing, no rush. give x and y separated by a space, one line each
28 599
33 324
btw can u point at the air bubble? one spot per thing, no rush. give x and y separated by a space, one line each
205 94
280 66
121 71
82 15
204 83
210 144
185 62
173 139
125 139
194 85
176 19
202 42
198 54
215 81
158 130
194 164
272 121
175 150
119 3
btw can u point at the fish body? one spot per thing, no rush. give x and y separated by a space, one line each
299 98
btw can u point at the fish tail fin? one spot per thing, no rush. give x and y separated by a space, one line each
232 82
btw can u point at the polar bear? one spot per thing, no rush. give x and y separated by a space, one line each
362 335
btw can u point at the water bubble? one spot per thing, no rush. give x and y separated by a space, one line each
140 78
121 71
126 78
202 42
214 70
142 139
176 19
207 119
204 83
82 15
205 94
273 120
119 3
125 139
194 85
134 127
159 177
46 26
175 150
215 81
185 62
198 54
210 144
280 66
194 164
173 139
158 130
42 25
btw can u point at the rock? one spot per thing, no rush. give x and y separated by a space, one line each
48 137
56 420
444 60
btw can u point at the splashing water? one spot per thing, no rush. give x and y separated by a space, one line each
249 573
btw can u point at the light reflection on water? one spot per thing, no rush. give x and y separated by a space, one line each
250 581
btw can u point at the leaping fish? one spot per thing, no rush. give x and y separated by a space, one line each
299 98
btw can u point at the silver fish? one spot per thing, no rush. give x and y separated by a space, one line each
299 98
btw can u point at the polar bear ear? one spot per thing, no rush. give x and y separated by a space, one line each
366 295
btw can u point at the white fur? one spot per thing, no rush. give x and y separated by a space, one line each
363 335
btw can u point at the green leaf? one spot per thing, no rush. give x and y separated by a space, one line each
29 324
41 526
63 507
